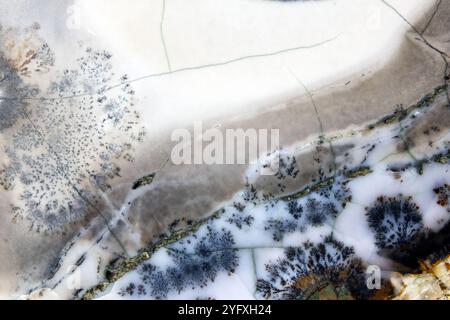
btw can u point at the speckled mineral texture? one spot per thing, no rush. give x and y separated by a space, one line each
432 283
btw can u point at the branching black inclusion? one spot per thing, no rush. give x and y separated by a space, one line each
400 233
295 209
395 221
313 213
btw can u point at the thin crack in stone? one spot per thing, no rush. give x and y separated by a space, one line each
161 74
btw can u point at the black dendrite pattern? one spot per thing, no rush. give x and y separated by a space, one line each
305 268
212 253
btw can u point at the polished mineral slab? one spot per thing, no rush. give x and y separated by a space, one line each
93 205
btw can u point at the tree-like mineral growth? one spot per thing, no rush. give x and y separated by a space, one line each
67 141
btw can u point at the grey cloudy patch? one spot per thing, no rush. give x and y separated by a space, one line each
63 151
22 54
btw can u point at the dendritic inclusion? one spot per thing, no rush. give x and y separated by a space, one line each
67 147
